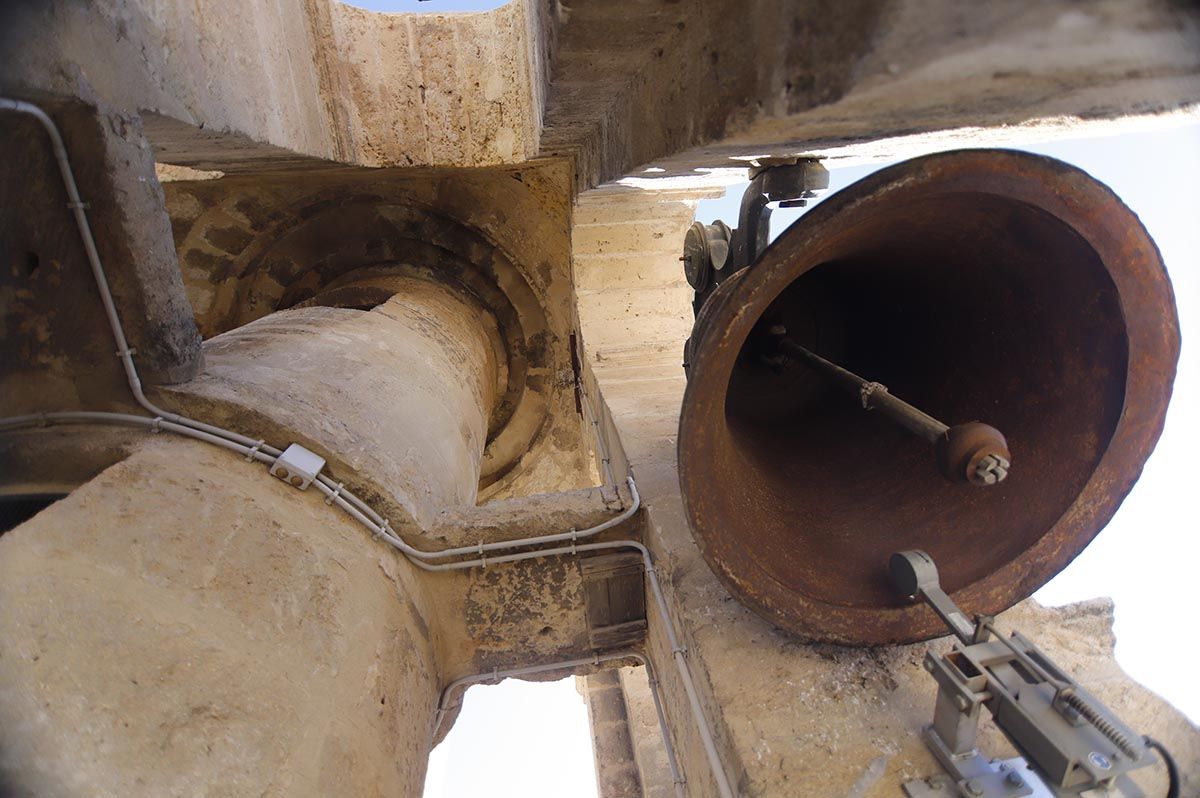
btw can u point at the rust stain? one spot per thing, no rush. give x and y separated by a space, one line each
980 285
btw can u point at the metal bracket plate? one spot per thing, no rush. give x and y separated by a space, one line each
996 782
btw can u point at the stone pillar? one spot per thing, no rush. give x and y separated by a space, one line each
649 750
396 398
186 624
55 341
114 165
612 743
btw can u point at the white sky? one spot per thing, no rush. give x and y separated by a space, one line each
532 740
516 740
426 6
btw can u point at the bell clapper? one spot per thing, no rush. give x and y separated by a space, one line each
973 452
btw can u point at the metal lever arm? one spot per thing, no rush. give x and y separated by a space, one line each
915 577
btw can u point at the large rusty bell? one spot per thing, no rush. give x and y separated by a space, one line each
978 285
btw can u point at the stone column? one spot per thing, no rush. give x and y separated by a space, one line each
186 624
612 743
55 341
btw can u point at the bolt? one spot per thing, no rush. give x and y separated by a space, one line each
992 468
974 787
1014 779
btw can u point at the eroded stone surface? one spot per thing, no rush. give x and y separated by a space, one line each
55 340
416 441
286 84
251 244
256 640
612 743
186 607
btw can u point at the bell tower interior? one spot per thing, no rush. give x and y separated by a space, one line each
348 360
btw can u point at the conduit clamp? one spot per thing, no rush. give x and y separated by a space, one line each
383 529
252 452
482 556
329 499
574 537
156 425
81 205
127 351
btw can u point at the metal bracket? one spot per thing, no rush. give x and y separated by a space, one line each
995 779
252 452
713 252
1076 746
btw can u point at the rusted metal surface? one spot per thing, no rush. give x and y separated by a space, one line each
976 284
975 453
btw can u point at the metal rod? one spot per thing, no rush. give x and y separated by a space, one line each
874 395
1024 658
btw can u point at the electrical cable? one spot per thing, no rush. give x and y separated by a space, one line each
1169 761
333 491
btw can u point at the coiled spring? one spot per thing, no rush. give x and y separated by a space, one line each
1102 724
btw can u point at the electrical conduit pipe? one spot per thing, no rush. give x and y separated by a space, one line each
334 493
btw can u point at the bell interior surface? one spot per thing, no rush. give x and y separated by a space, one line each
977 285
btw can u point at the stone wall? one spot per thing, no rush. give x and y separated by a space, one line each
254 639
436 89
612 740
255 242
285 83
282 649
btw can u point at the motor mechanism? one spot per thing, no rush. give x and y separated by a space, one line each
1073 745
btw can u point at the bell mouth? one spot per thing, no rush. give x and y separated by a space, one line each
979 285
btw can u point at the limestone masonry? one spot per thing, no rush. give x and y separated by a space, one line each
441 252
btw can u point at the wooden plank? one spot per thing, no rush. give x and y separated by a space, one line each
620 636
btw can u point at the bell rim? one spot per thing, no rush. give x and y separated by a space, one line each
1143 287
